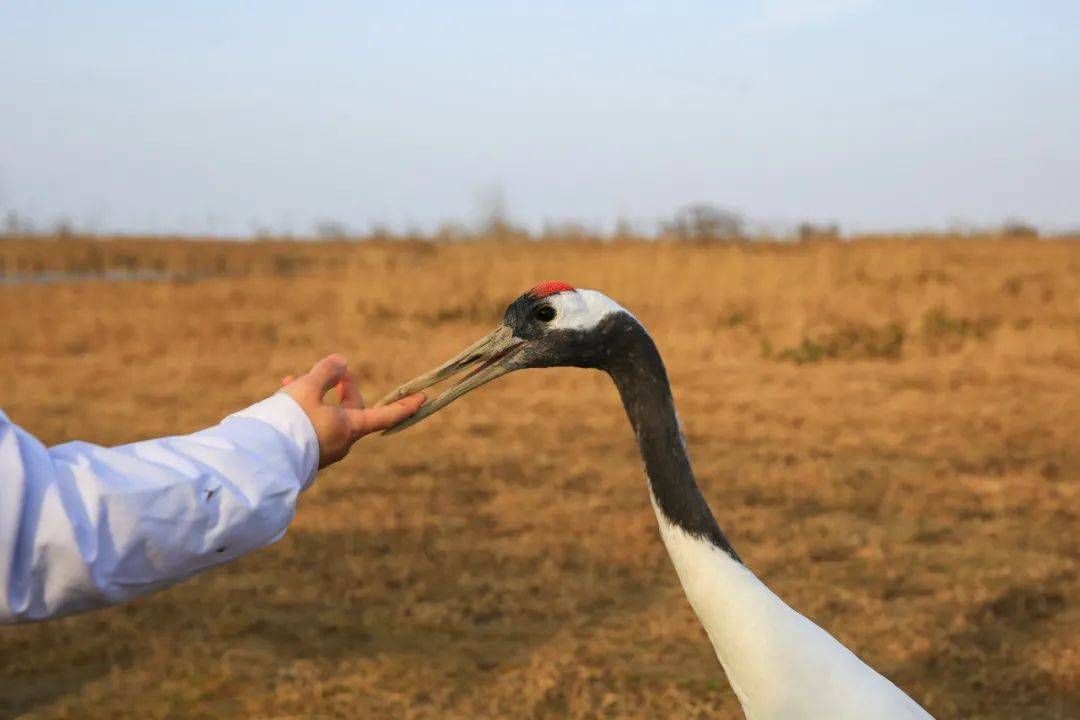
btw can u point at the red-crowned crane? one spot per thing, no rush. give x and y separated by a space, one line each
780 664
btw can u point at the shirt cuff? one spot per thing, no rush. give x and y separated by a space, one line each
283 414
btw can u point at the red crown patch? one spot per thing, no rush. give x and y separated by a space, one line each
551 287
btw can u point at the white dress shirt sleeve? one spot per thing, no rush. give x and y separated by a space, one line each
82 526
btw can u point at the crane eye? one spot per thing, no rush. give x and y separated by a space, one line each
545 313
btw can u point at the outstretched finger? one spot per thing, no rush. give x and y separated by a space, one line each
328 372
349 393
382 417
287 380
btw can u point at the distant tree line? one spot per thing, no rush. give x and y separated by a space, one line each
697 223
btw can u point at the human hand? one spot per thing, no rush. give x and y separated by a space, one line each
339 426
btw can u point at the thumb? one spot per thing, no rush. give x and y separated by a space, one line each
328 372
363 422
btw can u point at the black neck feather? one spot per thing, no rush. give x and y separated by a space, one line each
634 363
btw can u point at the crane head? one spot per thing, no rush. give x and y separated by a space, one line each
552 324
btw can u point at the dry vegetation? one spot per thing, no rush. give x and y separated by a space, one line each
886 429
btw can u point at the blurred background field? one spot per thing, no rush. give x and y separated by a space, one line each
885 427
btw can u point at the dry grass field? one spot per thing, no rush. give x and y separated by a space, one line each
888 430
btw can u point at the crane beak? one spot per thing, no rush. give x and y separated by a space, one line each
489 358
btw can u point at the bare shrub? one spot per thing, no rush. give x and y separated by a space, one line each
807 231
705 223
1016 228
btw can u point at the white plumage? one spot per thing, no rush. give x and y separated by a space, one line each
781 665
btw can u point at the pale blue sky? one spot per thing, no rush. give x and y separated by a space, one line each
209 116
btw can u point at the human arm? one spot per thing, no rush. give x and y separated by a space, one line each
83 526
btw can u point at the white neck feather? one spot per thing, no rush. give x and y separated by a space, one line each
780 664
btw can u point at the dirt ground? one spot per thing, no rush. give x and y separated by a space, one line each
887 430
